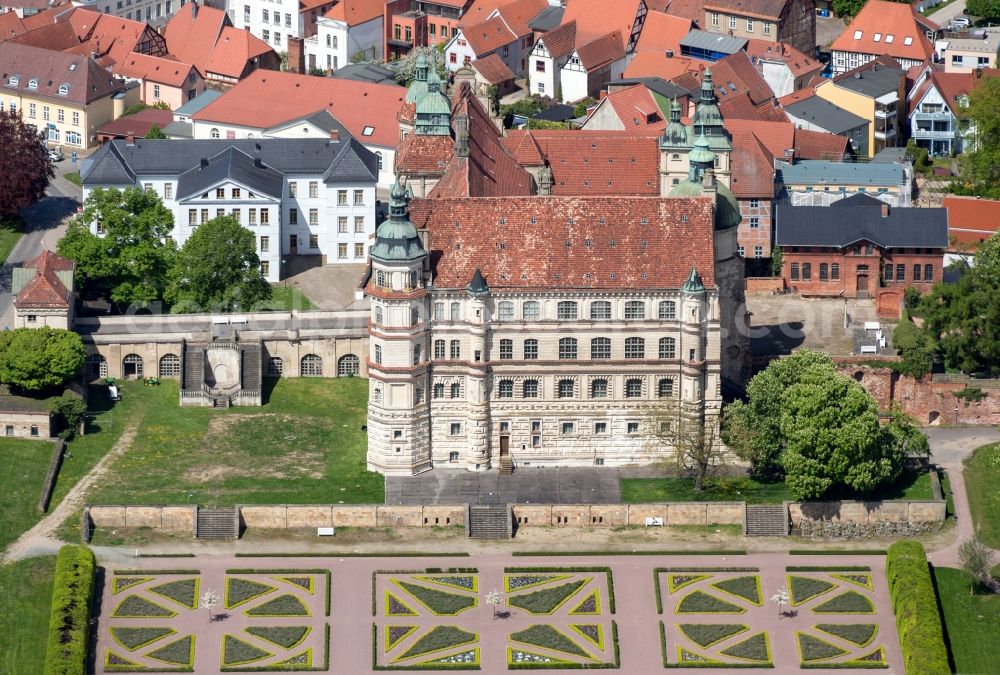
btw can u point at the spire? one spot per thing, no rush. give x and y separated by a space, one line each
702 154
707 90
693 284
477 285
420 71
675 111
396 239
433 109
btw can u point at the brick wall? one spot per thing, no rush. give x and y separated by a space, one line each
764 284
851 274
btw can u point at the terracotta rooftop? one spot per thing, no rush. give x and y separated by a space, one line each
693 10
596 18
46 289
137 125
493 69
10 25
204 37
762 9
820 145
661 32
560 41
798 63
154 69
479 11
637 109
84 79
972 220
568 242
489 35
752 167
890 28
356 12
427 155
601 51
657 64
360 106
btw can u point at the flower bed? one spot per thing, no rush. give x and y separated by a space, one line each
699 602
548 637
755 648
546 600
136 638
178 653
183 592
136 607
396 607
119 584
438 638
517 582
286 637
283 605
860 634
803 589
814 649
747 588
240 591
850 602
396 634
708 634
236 652
465 582
589 606
438 602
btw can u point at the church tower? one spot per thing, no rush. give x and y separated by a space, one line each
477 400
398 410
675 143
707 121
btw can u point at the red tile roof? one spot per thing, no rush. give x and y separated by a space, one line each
592 162
10 25
972 220
885 20
87 80
741 106
776 137
210 43
45 290
798 63
656 64
493 69
736 73
489 35
637 109
59 37
560 41
820 145
602 51
518 14
356 12
568 242
110 35
752 167
137 125
595 18
356 105
661 32
692 10
763 9
424 155
154 69
480 10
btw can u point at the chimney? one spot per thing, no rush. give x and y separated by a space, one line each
194 9
334 135
257 164
461 124
670 53
204 162
885 210
130 137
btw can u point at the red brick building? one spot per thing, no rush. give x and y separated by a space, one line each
860 247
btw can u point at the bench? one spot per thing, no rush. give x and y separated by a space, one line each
872 325
324 532
869 349
654 522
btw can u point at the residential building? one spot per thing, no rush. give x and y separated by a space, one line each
822 182
971 221
420 23
23 8
506 32
300 196
752 184
278 21
153 12
934 106
789 21
875 92
636 109
351 31
742 91
43 292
784 141
884 28
161 80
492 72
969 50
67 97
181 126
783 67
290 96
700 44
818 114
860 247
205 38
136 125
596 18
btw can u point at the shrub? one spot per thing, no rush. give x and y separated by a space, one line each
914 602
970 394
915 347
69 623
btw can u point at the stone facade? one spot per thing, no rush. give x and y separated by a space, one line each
25 424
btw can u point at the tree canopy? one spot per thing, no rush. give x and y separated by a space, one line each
24 165
217 268
155 132
819 427
987 9
980 166
129 260
36 358
406 67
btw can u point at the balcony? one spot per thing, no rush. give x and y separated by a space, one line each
932 117
933 135
885 134
883 113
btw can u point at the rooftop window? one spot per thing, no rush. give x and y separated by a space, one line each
368 131
907 41
857 35
877 37
33 83
889 38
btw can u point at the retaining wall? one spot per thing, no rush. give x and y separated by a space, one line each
896 511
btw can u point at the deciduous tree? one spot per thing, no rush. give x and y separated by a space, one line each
976 558
694 444
25 169
155 132
406 67
36 358
129 260
987 9
980 166
217 269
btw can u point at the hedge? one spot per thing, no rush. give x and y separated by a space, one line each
69 622
914 602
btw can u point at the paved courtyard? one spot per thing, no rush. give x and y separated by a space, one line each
527 485
405 613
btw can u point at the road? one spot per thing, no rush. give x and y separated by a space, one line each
943 16
45 226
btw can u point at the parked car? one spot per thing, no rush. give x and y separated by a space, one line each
960 22
55 154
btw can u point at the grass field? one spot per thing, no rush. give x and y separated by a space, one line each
8 239
287 299
982 473
910 485
25 595
972 623
74 177
304 446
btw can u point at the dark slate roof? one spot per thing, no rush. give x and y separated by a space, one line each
230 164
365 72
859 218
824 114
557 113
547 19
872 81
118 163
321 119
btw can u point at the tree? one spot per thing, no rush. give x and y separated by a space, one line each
694 442
916 348
155 132
129 261
24 165
70 409
217 269
847 8
406 67
139 107
977 559
986 9
210 600
777 260
980 167
36 358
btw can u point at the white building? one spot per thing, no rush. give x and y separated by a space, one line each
350 31
299 196
275 21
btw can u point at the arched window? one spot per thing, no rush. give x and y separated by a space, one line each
566 310
599 389
530 310
635 309
668 348
633 388
505 311
635 348
438 390
414 316
95 366
311 366
600 348
667 310
132 366
413 279
600 310
275 366
665 387
456 390
505 389
63 89
214 133
439 310
566 388
567 348
170 365
530 389
348 365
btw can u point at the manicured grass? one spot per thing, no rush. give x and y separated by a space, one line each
183 591
135 606
982 475
846 603
283 636
703 603
857 633
972 622
286 299
305 446
236 651
747 588
814 649
179 652
802 589
546 600
8 240
283 605
439 637
439 602
754 648
73 177
544 635
25 595
133 638
707 634
239 591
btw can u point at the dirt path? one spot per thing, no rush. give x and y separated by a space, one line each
964 527
39 540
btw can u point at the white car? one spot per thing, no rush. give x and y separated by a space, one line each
55 154
960 22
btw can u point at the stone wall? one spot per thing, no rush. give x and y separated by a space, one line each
617 515
868 512
173 518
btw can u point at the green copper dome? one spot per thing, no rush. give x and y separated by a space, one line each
693 284
702 154
727 209
676 135
433 109
418 87
396 239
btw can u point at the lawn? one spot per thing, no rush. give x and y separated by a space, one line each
305 446
982 473
286 299
911 485
25 595
972 623
73 177
8 240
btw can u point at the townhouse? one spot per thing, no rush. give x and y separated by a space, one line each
790 21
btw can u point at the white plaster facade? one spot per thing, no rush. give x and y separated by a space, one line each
336 43
273 21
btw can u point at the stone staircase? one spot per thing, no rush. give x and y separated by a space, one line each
221 402
766 520
250 356
488 522
218 523
194 367
506 465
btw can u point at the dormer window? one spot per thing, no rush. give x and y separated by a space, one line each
15 80
63 89
877 37
33 83
368 131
